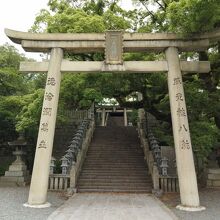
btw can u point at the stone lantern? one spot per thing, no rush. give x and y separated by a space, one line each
64 165
157 153
52 165
17 173
157 149
154 144
164 166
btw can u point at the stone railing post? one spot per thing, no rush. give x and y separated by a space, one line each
155 177
103 117
125 117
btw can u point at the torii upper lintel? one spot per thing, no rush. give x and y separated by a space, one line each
88 42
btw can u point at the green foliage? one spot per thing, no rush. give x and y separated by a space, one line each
204 135
91 18
192 16
28 117
9 57
9 108
114 22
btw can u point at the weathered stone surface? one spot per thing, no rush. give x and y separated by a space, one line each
212 176
127 66
17 167
216 183
17 173
40 175
113 207
214 171
209 183
96 42
183 148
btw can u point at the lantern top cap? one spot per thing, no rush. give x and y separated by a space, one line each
19 142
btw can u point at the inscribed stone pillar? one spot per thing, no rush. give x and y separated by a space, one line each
39 182
125 117
183 148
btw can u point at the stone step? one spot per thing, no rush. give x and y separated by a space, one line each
121 181
106 169
86 190
214 171
114 178
106 185
213 183
113 173
115 160
113 186
114 164
212 176
117 169
110 188
110 155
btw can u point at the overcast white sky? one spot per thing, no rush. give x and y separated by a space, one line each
20 15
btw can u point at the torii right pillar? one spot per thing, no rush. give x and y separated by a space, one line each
184 155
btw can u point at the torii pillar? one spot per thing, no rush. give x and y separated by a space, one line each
40 176
184 155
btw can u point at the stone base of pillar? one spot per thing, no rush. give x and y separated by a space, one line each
190 208
40 206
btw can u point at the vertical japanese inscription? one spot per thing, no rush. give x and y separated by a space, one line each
51 81
181 113
48 96
42 144
44 127
47 111
185 144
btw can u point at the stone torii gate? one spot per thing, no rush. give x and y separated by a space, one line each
114 43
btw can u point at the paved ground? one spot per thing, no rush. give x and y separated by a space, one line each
210 198
107 206
11 204
12 199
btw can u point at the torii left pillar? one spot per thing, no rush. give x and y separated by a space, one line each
40 176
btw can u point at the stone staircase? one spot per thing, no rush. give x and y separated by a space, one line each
115 162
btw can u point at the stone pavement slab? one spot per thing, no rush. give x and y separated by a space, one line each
13 198
107 206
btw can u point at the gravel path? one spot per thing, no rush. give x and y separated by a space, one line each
210 198
13 198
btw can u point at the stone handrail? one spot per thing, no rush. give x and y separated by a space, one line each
59 182
73 159
76 167
153 169
75 154
157 166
